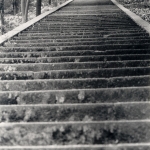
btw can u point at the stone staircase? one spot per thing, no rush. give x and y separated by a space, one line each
76 80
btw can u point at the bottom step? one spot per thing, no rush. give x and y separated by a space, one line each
74 133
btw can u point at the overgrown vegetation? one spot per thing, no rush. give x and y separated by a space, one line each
139 7
13 15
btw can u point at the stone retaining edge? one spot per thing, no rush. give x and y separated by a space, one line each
24 26
138 20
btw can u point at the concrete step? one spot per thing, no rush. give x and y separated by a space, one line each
82 24
71 96
57 40
96 39
80 30
86 58
48 37
80 36
75 112
9 47
127 51
51 53
94 42
71 74
99 26
65 133
73 65
59 84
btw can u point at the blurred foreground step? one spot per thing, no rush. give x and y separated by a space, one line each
69 133
75 112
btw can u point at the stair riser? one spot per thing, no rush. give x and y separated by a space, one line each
64 74
11 48
87 112
118 32
89 33
86 17
81 24
77 38
60 66
77 96
79 43
127 51
74 59
77 21
80 30
74 84
50 54
59 40
103 13
72 41
92 27
100 36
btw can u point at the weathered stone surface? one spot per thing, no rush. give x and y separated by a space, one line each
73 65
108 95
88 83
69 74
75 112
75 133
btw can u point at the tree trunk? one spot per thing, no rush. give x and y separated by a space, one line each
50 2
38 7
55 3
15 6
24 10
2 15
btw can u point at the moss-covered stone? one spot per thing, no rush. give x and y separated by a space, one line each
77 133
74 112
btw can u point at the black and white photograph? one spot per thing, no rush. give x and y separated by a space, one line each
74 74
